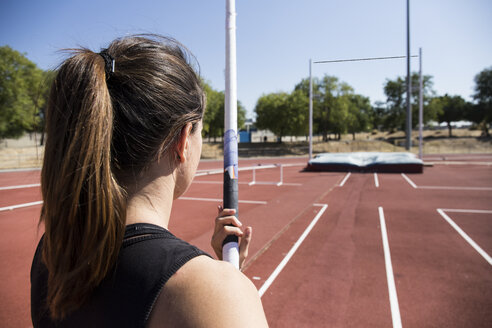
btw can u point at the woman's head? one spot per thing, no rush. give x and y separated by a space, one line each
105 128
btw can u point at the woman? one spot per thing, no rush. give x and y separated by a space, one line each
124 141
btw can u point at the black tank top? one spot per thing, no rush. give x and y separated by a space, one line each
149 256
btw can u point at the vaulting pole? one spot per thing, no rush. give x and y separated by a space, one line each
230 247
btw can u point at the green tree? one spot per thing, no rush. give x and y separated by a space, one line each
481 113
360 113
23 92
297 107
449 109
395 91
213 120
272 113
336 108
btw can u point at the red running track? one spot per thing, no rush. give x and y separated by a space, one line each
338 275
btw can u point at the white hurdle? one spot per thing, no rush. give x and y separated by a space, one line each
281 182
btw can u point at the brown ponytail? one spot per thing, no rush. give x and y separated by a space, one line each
103 131
84 207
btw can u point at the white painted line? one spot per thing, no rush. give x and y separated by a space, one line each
13 207
20 170
251 183
220 200
376 181
21 186
209 182
344 180
466 211
455 188
395 310
409 181
277 183
465 236
459 163
291 252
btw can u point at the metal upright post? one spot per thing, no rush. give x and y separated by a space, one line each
310 110
409 86
421 103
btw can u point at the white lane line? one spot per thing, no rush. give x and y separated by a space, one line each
220 200
13 207
395 310
459 163
376 181
344 180
200 173
466 211
248 183
409 181
465 236
20 170
455 188
291 252
20 186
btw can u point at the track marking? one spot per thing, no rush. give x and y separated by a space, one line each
291 252
459 163
376 181
261 202
395 310
455 188
200 173
465 236
21 186
13 207
249 183
409 181
344 180
466 211
443 187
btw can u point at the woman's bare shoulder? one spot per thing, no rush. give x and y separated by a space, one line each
208 293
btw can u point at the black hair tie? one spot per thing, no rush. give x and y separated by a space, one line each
108 63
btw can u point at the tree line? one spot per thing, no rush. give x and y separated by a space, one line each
24 91
337 108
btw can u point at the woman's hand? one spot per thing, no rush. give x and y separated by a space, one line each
227 224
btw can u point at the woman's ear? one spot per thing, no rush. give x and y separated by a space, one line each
182 144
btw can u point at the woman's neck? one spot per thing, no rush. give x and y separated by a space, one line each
151 199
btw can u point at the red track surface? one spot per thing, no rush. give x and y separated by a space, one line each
337 277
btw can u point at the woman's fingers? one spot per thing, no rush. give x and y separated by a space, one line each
226 220
227 224
244 245
219 236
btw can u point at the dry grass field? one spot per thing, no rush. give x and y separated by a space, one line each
24 153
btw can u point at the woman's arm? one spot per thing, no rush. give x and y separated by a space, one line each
208 293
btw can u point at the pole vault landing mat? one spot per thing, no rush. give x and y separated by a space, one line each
366 162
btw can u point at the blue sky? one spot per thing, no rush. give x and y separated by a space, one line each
275 38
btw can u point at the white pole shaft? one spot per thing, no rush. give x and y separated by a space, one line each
230 249
231 75
310 110
421 104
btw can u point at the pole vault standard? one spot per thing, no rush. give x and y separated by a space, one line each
230 247
341 61
421 103
408 133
